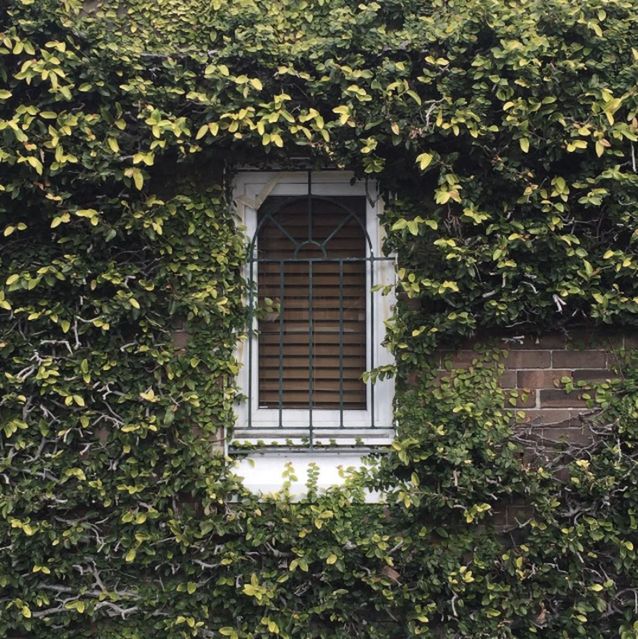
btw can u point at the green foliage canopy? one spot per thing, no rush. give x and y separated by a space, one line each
503 135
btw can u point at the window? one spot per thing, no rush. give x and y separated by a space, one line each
316 267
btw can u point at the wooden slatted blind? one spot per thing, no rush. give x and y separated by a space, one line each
312 346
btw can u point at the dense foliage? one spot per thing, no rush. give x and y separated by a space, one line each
509 129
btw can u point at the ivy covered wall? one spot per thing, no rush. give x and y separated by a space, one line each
504 138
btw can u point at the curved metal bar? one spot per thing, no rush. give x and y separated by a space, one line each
272 212
308 243
350 213
339 227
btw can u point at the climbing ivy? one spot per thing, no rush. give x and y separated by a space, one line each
503 136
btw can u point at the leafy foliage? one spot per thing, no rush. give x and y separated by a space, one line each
508 128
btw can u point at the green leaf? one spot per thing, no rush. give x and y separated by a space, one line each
424 160
60 219
36 164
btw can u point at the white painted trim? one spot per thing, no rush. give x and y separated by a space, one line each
251 189
267 473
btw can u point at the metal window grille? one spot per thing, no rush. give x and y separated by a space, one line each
312 306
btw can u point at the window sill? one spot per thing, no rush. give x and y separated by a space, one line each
330 439
269 471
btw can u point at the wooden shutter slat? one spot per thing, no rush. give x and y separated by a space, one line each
337 335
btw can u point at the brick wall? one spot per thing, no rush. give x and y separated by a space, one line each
534 366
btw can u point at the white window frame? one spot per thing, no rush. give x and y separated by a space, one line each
251 188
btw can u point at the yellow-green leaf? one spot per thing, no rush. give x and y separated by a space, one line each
36 164
60 219
424 160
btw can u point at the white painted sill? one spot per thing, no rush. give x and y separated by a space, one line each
268 472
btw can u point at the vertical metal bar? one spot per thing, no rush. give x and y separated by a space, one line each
341 343
311 353
281 342
310 206
372 318
310 319
251 283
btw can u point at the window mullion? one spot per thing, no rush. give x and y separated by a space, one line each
311 338
281 342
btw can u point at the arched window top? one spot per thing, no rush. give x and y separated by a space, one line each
312 225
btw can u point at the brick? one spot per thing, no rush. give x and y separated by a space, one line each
613 360
571 435
180 339
559 399
523 399
460 358
526 399
499 518
586 411
547 416
593 374
508 379
541 378
579 359
528 359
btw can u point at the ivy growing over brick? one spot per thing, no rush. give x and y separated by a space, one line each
503 135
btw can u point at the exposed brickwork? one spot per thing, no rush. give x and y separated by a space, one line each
579 359
537 367
528 359
556 398
548 417
541 378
